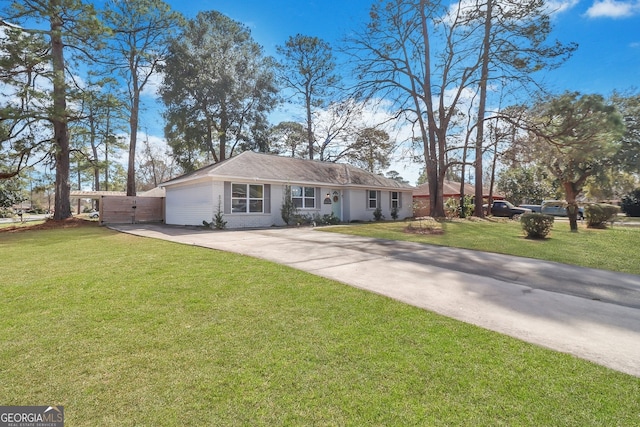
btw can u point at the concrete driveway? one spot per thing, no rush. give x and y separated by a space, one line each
591 314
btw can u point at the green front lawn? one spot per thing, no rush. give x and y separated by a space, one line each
126 331
614 249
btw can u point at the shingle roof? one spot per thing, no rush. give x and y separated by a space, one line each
449 189
268 167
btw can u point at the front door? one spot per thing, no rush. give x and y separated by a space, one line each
336 204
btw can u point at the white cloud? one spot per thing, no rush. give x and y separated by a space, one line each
559 6
463 7
613 9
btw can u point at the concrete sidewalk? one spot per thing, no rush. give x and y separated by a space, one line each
592 314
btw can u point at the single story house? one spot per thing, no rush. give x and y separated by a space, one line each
451 190
249 190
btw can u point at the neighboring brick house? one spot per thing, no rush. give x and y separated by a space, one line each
451 189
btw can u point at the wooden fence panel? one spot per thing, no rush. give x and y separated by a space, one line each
131 209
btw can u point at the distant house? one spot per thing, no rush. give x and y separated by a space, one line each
249 189
451 190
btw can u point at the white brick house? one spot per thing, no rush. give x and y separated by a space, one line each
249 189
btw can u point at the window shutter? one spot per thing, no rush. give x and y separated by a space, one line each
267 198
318 197
400 193
378 199
227 197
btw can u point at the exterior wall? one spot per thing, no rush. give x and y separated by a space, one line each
191 204
358 210
250 220
422 206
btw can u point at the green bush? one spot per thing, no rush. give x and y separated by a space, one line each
377 214
288 211
598 214
452 207
326 219
394 213
218 219
631 203
537 225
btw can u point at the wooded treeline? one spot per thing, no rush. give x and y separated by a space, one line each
440 83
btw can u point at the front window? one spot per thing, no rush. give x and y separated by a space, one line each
395 200
303 197
372 196
247 198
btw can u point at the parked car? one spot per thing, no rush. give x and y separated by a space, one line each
506 209
534 208
558 208
94 214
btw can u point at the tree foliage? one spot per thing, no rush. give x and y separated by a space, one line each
23 73
10 193
576 137
154 166
101 117
430 59
289 138
308 68
371 150
141 30
628 156
71 27
218 88
525 185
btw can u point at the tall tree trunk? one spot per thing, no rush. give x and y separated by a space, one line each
133 140
309 127
96 170
224 125
494 164
462 171
571 193
62 204
106 152
478 211
94 151
429 137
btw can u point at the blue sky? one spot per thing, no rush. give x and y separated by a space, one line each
608 33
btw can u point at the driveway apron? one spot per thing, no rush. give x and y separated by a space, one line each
591 314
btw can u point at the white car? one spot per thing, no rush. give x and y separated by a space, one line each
558 208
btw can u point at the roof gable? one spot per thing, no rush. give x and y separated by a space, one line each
249 165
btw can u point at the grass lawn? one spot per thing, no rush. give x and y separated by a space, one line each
126 331
614 249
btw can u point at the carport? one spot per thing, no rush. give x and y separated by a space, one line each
116 207
93 195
